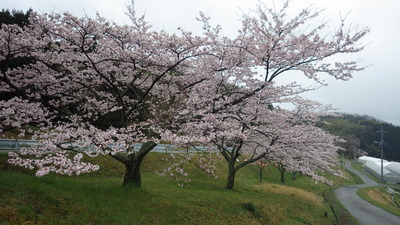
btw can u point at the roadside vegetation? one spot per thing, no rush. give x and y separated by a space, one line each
94 199
341 215
379 196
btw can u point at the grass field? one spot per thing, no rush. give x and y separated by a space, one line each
99 198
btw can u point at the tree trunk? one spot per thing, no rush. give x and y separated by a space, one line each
282 170
133 164
231 157
231 175
133 176
261 173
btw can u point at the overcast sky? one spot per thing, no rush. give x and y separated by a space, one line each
374 91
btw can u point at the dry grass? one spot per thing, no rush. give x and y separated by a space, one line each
379 197
277 189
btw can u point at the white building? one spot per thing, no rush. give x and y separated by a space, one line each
364 159
391 170
394 167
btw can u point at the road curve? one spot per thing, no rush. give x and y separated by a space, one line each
363 211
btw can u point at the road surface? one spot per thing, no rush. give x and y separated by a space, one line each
363 211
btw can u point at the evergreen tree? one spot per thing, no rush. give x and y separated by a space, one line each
14 17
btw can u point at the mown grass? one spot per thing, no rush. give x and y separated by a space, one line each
99 198
378 196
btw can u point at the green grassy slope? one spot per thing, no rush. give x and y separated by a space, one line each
99 198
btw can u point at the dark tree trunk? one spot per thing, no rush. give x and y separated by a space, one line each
231 157
133 176
282 170
231 175
261 173
133 164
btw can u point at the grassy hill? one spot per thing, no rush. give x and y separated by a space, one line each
99 198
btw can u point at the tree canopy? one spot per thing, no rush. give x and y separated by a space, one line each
95 87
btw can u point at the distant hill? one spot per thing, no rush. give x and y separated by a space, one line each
361 132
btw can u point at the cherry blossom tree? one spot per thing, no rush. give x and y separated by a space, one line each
93 87
295 44
248 121
305 148
255 131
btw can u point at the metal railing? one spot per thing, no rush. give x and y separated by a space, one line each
7 145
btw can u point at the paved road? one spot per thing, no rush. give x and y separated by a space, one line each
363 211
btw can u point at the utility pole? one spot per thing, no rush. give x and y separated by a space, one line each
381 131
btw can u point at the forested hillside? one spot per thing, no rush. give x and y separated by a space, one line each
361 133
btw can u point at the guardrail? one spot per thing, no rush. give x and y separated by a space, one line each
15 144
7 145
